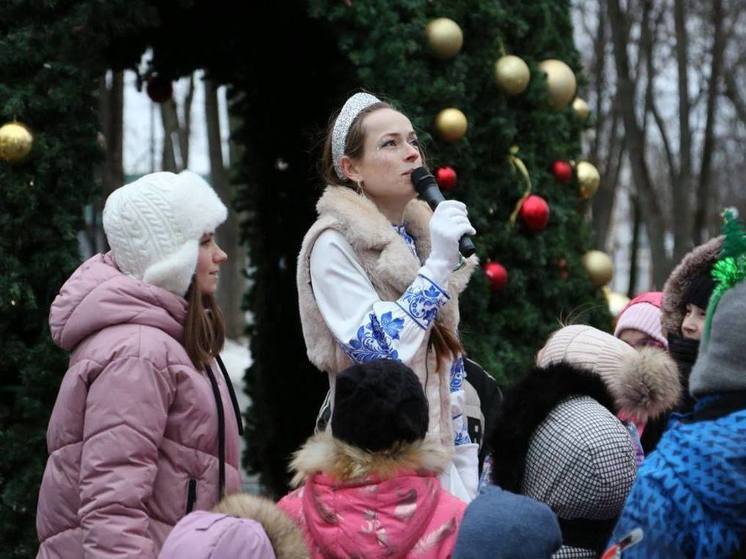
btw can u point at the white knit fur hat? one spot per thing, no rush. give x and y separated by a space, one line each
644 382
154 225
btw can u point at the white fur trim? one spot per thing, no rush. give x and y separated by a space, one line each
174 273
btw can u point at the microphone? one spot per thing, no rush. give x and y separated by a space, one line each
426 186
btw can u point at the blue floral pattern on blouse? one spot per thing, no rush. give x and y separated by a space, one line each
408 239
422 300
374 339
458 373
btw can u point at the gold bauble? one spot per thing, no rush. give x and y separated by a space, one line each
588 179
512 74
599 267
616 302
451 124
445 37
15 142
560 82
581 108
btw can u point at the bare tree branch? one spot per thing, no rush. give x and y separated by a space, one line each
703 189
634 139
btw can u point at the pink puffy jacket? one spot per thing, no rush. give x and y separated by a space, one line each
134 435
360 504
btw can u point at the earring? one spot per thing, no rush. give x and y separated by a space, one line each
359 188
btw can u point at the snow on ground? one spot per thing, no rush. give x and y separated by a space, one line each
237 359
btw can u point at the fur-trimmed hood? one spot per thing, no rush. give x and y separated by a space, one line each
697 261
324 453
286 538
239 526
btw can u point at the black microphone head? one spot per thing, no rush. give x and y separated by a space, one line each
422 179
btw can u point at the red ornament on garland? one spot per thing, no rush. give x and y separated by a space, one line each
159 89
446 177
496 274
534 213
562 171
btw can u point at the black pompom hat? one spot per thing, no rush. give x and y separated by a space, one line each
379 404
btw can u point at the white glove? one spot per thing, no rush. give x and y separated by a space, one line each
448 224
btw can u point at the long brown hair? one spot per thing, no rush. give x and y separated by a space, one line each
445 342
204 331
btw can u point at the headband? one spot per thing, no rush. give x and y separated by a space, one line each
351 109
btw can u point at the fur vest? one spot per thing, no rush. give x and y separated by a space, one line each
391 268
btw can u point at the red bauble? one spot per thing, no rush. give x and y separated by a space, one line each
446 177
534 213
562 171
497 275
159 89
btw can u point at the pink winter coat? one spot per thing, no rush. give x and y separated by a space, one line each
133 437
360 504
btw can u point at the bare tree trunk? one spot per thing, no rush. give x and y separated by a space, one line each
732 90
635 141
603 201
682 188
635 246
111 123
232 282
703 189
185 130
170 120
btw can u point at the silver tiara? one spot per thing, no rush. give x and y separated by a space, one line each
349 112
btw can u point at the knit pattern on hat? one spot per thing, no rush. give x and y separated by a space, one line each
643 313
643 383
154 224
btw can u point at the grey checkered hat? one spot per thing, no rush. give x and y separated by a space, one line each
580 461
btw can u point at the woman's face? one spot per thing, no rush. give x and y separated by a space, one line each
390 153
209 261
694 321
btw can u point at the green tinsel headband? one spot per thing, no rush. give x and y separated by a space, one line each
730 269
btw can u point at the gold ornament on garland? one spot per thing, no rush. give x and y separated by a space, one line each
451 124
512 74
16 142
616 302
560 82
581 108
445 37
588 179
599 267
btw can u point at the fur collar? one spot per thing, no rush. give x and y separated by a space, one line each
367 229
527 403
324 453
285 537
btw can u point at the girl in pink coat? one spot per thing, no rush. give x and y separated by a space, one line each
146 426
372 489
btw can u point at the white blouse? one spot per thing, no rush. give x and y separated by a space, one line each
368 328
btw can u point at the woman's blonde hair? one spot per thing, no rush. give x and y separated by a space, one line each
204 330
